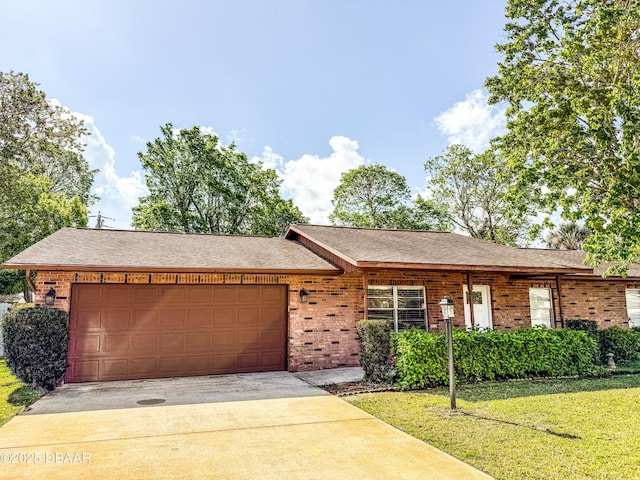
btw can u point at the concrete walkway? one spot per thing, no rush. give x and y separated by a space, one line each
275 427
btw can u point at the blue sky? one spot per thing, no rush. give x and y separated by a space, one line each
312 88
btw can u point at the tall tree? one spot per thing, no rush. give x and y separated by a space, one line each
567 236
472 190
44 178
196 184
571 77
376 197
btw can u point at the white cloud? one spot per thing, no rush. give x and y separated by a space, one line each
117 194
310 180
472 122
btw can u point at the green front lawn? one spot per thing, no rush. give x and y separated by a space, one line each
14 396
570 428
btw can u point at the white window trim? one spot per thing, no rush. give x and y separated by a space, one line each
550 309
395 307
633 317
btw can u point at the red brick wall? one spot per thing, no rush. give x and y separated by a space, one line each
322 332
601 300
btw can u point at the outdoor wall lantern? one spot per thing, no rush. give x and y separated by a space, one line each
50 297
446 305
304 296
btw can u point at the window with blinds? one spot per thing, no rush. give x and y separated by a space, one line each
404 306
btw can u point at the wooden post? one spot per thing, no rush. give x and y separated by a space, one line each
470 297
560 312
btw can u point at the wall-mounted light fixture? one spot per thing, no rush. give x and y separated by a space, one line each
304 296
50 297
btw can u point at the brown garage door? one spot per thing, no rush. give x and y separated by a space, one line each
122 332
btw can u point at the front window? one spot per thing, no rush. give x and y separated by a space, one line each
633 307
541 307
404 306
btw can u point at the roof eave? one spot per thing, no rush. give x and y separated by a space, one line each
322 245
143 269
467 268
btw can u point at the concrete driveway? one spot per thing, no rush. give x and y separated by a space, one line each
253 426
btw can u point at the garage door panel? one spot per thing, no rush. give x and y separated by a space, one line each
248 317
86 370
116 320
146 295
271 339
224 341
171 318
273 294
199 364
142 331
174 294
198 318
171 365
248 361
144 320
116 344
84 320
114 294
200 294
225 294
273 360
223 363
249 339
143 367
198 341
247 295
225 317
271 316
84 344
89 296
142 343
171 342
114 368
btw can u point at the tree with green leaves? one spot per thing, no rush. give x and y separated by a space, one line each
567 236
472 190
375 197
44 178
570 75
198 185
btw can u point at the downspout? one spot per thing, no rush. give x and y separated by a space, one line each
470 298
560 312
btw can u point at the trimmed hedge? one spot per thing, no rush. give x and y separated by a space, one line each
376 356
421 357
35 344
623 343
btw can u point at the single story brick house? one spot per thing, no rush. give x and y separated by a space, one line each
150 304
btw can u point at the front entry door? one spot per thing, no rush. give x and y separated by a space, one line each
481 307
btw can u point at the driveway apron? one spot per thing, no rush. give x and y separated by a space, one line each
251 426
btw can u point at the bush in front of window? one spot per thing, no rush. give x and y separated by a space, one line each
376 357
623 343
35 345
421 357
590 327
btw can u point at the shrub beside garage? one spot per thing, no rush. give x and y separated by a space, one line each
35 345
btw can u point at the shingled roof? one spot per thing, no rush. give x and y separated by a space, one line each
576 258
380 248
107 250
